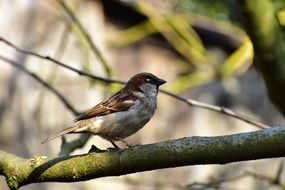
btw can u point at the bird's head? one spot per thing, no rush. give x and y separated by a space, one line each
145 82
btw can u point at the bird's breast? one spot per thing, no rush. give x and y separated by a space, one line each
122 124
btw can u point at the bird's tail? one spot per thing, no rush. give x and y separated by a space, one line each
61 133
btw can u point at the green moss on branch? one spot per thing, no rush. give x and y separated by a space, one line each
267 143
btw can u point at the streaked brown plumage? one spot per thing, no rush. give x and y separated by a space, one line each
122 114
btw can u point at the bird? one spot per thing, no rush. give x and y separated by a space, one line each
121 115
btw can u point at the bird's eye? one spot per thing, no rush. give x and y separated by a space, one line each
147 80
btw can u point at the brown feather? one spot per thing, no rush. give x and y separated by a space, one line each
118 102
121 101
63 132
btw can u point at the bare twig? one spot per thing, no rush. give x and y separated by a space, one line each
88 38
82 73
219 109
68 147
215 183
189 101
45 84
54 71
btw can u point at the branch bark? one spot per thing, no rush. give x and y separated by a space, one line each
268 143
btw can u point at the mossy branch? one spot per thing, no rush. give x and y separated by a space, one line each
268 42
268 143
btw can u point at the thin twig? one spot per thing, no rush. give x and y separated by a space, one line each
68 147
215 183
54 71
88 38
80 72
45 84
219 109
189 101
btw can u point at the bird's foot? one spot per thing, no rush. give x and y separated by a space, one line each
135 145
110 149
115 146
95 149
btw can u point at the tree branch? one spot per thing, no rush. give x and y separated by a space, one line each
268 43
268 143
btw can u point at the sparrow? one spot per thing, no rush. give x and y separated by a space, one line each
123 114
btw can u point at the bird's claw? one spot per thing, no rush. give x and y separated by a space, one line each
95 149
110 149
133 146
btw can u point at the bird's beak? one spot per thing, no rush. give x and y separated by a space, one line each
160 82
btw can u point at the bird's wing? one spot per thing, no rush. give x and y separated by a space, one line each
118 102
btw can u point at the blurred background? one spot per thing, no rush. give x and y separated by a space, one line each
199 47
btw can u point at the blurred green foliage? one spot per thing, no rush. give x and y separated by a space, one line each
203 65
177 24
217 9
